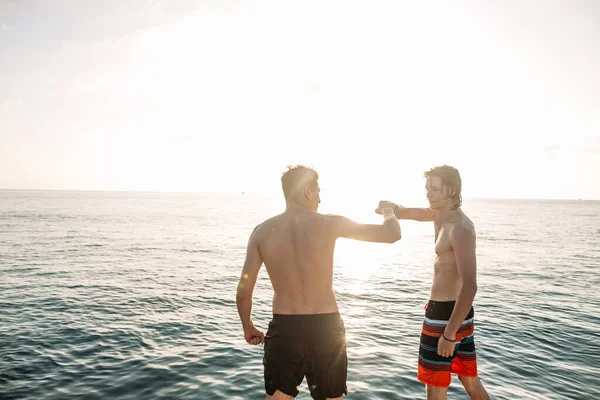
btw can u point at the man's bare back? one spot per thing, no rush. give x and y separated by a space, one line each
297 250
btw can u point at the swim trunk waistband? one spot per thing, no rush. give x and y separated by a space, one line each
305 324
308 317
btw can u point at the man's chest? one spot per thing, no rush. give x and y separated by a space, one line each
442 239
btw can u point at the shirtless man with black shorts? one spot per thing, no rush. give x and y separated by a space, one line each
306 336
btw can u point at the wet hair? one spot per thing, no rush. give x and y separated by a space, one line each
296 178
450 178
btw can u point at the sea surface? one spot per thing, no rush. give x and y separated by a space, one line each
132 296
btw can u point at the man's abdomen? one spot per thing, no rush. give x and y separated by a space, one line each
445 286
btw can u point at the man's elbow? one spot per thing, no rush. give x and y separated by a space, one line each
394 237
241 293
470 287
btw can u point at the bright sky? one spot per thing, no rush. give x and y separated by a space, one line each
208 96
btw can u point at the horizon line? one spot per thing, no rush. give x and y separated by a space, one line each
263 192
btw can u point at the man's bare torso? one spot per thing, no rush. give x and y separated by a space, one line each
297 250
446 282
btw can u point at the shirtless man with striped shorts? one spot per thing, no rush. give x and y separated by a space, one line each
447 343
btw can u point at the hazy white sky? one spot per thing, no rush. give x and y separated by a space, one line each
182 95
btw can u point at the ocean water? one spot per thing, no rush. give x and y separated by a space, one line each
132 296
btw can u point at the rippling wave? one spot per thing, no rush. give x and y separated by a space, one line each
132 296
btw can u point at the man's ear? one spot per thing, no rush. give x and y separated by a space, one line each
307 191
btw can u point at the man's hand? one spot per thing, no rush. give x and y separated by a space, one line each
385 204
446 347
254 336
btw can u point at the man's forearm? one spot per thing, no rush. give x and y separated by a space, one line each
416 214
461 309
244 307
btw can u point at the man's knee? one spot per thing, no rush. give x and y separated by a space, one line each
436 392
474 387
469 381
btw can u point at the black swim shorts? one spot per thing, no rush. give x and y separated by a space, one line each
311 345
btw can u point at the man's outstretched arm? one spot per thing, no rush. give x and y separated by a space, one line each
387 232
245 290
416 214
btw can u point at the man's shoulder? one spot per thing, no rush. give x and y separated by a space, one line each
263 226
334 220
465 222
330 217
463 229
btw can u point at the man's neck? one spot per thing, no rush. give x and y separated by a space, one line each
295 205
447 214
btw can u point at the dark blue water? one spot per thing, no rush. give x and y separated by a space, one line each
116 295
